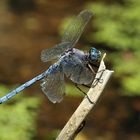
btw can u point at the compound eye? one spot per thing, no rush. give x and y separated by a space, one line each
94 54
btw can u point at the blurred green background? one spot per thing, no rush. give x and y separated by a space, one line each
27 27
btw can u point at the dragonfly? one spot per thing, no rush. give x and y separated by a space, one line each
71 63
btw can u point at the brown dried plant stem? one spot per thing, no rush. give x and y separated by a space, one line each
101 79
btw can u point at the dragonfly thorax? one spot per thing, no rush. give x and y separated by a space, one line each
94 55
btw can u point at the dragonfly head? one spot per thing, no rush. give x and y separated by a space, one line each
94 55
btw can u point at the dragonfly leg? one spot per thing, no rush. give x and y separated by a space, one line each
94 70
86 86
98 79
91 69
84 93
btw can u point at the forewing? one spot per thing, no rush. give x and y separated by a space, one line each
53 86
54 52
77 71
76 27
70 37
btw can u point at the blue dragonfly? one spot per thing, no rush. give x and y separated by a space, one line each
71 62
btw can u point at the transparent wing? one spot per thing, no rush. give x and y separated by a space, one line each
77 71
53 86
76 27
54 52
70 37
